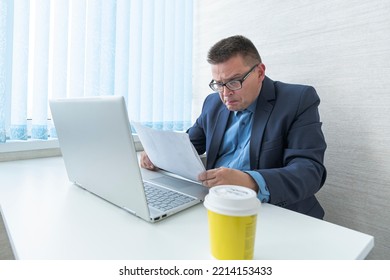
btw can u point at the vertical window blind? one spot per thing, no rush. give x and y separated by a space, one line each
139 49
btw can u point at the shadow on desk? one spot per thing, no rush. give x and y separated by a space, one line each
5 245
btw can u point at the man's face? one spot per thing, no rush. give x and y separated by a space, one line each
233 69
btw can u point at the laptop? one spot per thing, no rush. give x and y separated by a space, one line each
98 149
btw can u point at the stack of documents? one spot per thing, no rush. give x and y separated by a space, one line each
171 151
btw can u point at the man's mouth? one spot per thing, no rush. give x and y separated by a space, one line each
230 102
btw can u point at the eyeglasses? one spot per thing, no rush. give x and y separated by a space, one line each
233 84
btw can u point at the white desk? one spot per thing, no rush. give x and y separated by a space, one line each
49 218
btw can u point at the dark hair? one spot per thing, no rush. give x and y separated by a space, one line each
232 46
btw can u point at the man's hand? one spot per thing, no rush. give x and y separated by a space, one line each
227 176
145 162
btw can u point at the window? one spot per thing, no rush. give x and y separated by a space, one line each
139 49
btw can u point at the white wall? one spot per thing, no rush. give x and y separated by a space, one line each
342 48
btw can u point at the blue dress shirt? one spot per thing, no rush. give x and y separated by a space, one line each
234 150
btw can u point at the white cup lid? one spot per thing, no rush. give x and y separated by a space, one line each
232 201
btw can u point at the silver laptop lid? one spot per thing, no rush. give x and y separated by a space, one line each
98 149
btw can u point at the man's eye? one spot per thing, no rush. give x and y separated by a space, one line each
233 83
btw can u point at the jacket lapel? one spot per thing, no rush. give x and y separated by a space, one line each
263 111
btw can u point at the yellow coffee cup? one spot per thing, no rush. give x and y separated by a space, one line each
232 215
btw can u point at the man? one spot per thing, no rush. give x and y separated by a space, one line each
258 133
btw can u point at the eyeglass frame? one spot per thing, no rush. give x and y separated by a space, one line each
222 85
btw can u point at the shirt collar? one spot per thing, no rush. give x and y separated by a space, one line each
251 108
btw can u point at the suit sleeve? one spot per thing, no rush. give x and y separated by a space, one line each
302 172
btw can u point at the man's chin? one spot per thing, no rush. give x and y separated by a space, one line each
233 108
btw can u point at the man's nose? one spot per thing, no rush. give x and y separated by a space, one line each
227 91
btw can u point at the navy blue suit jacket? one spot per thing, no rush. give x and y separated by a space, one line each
286 147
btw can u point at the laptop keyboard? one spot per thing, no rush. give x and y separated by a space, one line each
164 199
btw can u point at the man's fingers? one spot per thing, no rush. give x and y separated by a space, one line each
208 178
145 162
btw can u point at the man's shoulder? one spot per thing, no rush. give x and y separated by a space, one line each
213 97
294 91
212 106
283 86
213 101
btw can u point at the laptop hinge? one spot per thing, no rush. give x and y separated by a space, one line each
130 211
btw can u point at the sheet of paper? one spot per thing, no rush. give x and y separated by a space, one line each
171 151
